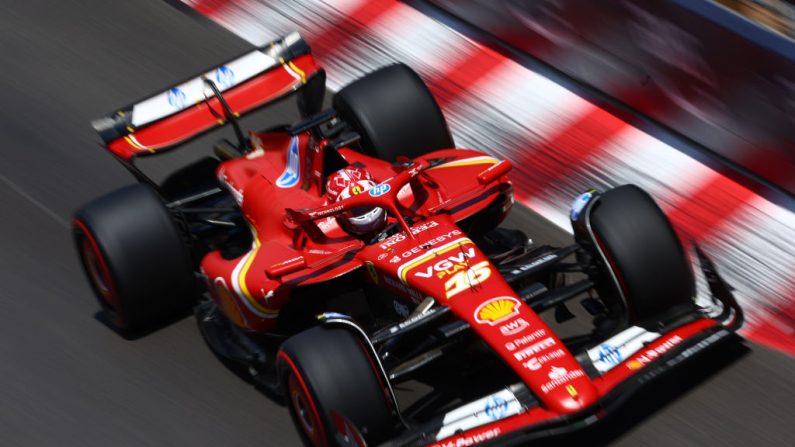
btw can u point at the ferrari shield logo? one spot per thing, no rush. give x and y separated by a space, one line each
372 271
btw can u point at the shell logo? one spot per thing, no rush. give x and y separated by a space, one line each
634 364
497 310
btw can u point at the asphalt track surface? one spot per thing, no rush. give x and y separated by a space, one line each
66 379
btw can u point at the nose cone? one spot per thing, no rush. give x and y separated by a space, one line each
573 398
567 391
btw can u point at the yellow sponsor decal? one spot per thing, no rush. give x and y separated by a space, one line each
634 364
467 279
497 310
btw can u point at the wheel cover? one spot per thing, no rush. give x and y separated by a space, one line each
305 412
99 275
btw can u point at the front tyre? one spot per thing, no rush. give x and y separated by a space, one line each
327 370
644 262
134 258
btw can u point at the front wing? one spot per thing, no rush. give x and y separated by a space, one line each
513 415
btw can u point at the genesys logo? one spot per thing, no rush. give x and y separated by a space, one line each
497 310
423 248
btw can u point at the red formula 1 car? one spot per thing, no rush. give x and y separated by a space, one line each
357 249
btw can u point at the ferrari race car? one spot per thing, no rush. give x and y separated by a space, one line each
335 258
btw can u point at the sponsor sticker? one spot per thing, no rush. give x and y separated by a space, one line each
651 355
317 214
620 347
534 349
473 439
417 249
534 264
514 327
535 363
559 376
525 340
497 310
379 190
195 90
224 77
610 354
292 172
467 279
496 407
450 265
459 251
415 230
177 98
403 324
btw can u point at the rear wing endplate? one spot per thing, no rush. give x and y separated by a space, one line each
189 108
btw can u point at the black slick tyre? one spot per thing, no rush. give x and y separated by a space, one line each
327 370
641 248
134 258
394 113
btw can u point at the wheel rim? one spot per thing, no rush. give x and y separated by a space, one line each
100 278
305 413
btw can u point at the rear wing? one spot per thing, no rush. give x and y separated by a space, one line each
189 108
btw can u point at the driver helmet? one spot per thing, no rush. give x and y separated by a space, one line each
348 182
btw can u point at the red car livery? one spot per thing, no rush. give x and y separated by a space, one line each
255 239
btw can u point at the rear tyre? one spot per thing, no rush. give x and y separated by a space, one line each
134 258
394 113
325 370
643 252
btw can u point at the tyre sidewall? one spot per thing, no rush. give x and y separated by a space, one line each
340 376
643 251
150 268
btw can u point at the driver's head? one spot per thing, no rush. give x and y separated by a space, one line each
347 182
